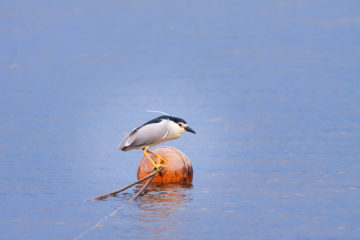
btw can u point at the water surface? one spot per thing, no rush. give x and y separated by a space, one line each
271 87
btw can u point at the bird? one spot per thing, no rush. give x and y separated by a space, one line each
154 132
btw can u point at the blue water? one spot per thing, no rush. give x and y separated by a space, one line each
271 87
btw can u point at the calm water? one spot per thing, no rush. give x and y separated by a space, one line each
272 89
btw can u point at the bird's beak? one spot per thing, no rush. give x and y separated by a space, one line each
188 129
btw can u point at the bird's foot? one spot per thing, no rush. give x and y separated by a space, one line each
157 166
161 160
158 158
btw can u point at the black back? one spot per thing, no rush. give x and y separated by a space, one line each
158 119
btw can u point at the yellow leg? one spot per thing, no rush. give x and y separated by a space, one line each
162 160
156 166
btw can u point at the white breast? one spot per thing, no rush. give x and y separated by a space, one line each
174 130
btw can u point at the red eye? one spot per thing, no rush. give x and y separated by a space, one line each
180 125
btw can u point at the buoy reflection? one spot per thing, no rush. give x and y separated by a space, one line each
161 202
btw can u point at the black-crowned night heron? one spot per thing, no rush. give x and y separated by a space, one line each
156 131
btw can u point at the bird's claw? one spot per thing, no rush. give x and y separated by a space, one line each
157 166
158 158
161 160
162 163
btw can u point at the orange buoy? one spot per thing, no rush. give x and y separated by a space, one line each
178 167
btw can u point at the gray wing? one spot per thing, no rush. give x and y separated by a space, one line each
144 136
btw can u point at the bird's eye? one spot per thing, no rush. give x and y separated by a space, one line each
180 124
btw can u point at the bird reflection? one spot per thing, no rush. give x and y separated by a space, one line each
161 204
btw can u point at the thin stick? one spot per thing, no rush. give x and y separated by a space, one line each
99 223
102 197
142 189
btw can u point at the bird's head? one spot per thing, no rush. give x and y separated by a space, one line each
180 125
